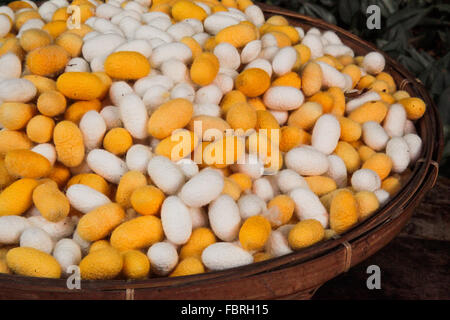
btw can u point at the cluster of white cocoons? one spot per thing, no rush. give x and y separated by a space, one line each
194 196
327 42
35 231
11 228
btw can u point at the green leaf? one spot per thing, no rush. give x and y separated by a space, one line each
438 84
414 21
386 8
319 12
390 5
398 36
405 15
347 9
443 105
328 3
443 7
419 58
435 22
410 64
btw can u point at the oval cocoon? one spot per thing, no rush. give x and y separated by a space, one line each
215 23
127 65
56 230
17 90
415 145
307 161
36 238
10 65
223 255
143 85
365 180
395 121
203 188
176 220
11 227
134 115
374 135
362 99
278 245
93 127
165 174
397 149
68 253
105 263
224 218
85 199
32 263
98 223
228 56
69 143
163 122
289 180
343 211
101 45
137 233
138 157
107 165
118 90
337 170
283 98
174 50
251 205
51 202
27 164
251 51
163 258
308 206
17 197
246 34
284 61
331 76
80 85
326 133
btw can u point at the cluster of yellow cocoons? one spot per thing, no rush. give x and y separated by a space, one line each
92 171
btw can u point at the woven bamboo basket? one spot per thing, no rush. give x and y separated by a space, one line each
299 274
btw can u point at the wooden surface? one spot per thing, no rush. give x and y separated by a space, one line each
415 265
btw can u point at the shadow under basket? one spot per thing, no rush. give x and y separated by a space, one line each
299 274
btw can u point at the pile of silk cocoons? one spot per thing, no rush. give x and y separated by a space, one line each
144 139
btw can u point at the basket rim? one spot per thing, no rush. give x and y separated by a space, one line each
431 152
